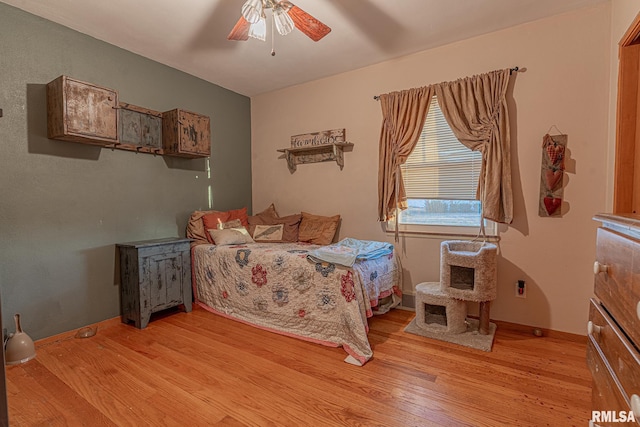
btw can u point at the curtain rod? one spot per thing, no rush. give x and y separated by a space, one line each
511 71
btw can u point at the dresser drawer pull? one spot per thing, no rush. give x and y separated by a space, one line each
593 328
638 310
635 405
600 268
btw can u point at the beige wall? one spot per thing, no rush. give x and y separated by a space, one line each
566 83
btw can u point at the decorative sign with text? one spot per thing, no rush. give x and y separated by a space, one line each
318 138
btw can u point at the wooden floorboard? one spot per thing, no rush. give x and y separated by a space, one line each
199 369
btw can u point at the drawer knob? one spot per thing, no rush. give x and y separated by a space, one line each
635 405
600 268
592 328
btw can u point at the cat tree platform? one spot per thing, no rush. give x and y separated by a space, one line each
438 312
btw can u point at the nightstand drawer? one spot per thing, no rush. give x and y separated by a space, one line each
617 279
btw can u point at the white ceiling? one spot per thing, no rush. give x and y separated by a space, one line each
191 35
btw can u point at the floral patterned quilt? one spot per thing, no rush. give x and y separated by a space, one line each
276 287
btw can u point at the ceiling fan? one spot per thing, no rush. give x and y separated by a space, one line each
252 23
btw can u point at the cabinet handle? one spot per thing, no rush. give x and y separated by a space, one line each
638 310
635 405
593 328
600 268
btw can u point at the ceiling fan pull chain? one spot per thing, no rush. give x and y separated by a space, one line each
273 38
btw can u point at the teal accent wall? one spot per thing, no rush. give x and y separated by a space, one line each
64 205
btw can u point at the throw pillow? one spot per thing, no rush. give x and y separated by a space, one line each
230 236
213 219
240 214
196 229
232 224
318 229
290 223
268 233
270 212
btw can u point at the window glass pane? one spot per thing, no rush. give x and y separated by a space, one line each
464 213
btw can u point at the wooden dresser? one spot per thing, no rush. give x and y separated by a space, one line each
613 347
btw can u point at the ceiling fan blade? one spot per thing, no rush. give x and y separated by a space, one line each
240 31
306 23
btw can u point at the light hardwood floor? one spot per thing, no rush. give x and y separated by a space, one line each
199 369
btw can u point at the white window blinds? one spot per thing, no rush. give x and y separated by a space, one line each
440 167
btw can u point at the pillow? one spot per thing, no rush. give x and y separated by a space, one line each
212 219
268 213
230 236
318 229
240 214
195 227
234 223
290 223
268 233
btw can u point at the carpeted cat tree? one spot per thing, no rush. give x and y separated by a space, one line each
468 273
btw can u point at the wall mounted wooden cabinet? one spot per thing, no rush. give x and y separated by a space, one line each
186 134
81 112
140 129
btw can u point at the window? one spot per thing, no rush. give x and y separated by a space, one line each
441 180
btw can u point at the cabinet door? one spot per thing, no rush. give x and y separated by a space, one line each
186 134
81 112
195 133
91 110
165 281
140 127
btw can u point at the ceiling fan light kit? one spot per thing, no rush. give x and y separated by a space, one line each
286 16
252 11
258 30
284 23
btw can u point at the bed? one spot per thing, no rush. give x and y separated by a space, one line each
288 288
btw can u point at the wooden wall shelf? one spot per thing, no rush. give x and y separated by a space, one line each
316 153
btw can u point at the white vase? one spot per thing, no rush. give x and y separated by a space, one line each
19 347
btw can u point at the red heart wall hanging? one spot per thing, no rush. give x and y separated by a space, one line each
552 178
552 204
555 153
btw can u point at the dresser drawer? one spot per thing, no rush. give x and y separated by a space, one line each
617 283
607 395
622 357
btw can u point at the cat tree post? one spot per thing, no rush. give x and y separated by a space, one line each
485 308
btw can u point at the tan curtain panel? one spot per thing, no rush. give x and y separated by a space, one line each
476 110
403 116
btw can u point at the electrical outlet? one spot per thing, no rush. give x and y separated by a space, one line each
521 289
